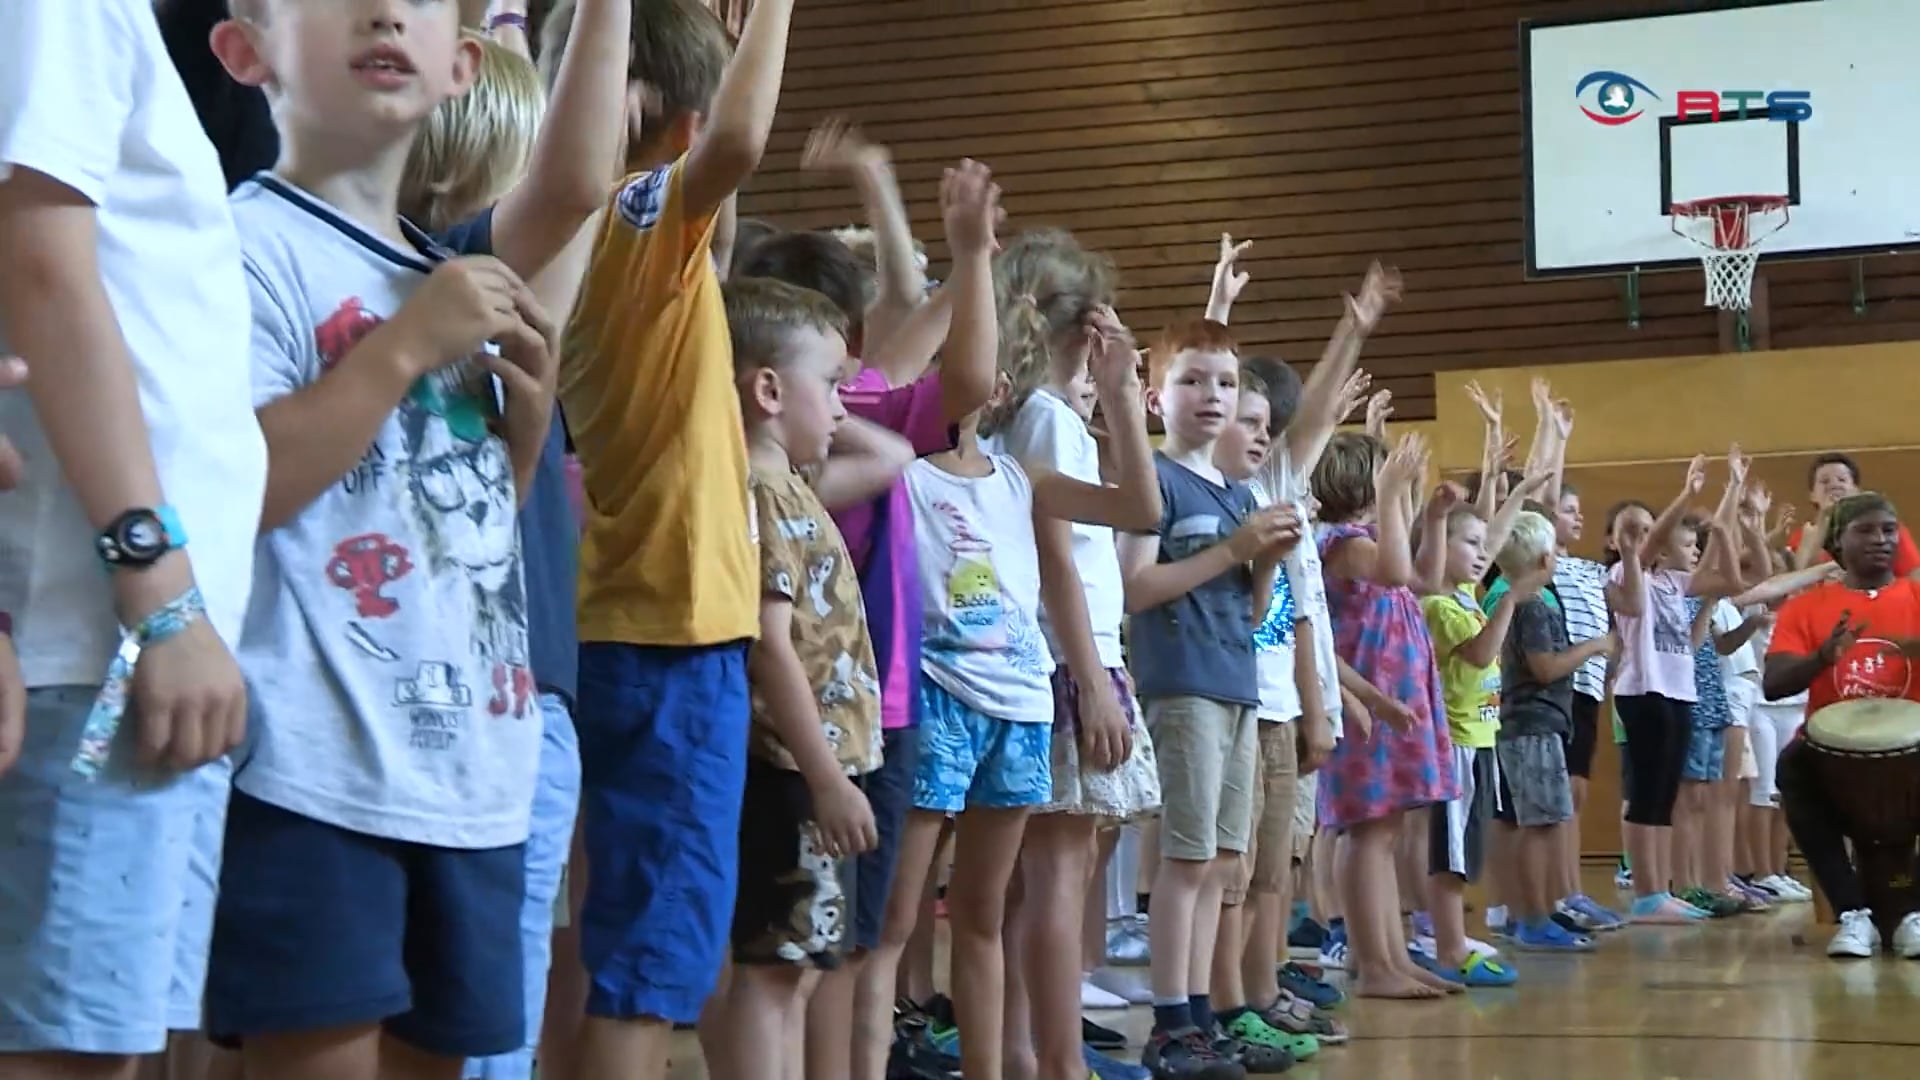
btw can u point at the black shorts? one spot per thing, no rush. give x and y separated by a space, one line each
795 904
1457 830
1585 736
890 793
1659 730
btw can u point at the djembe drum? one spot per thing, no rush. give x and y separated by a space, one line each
1867 754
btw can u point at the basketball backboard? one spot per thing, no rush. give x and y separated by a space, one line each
1806 99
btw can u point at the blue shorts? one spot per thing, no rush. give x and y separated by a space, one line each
1706 754
663 753
890 793
106 890
319 927
556 799
970 759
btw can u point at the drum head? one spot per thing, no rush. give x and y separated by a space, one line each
1867 725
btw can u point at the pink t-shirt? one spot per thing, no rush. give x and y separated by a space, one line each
1656 647
893 614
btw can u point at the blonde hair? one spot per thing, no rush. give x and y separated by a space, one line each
473 13
1531 540
762 312
1343 480
1045 286
860 240
473 149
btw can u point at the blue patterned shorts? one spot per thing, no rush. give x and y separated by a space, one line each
1706 754
970 759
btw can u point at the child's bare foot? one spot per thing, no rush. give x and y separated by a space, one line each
1415 971
1394 985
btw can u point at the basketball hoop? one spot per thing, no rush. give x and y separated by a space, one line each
1728 230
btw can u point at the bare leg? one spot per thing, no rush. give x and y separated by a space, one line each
919 837
567 978
1017 1042
354 1053
1321 863
1724 812
1054 866
829 1017
399 1061
986 847
1224 985
1446 904
1149 867
1572 843
1093 916
1371 899
749 1035
1172 932
76 1067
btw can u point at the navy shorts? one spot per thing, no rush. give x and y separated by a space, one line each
317 927
890 793
663 769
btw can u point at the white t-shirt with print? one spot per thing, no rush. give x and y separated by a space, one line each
1047 433
980 590
1273 641
1285 483
387 639
1740 669
89 98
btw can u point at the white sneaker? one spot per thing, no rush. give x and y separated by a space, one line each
1333 955
1906 937
1788 890
1093 997
1857 938
1801 892
1129 985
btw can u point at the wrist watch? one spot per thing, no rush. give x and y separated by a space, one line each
139 538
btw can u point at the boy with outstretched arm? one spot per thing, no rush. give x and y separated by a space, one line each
1190 587
376 837
669 576
129 533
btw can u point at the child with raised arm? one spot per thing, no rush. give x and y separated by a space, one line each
816 703
1053 295
669 579
1190 587
135 503
1537 663
397 735
987 700
1406 760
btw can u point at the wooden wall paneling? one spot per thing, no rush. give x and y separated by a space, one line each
1329 132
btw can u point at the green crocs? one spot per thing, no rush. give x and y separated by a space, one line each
1251 1028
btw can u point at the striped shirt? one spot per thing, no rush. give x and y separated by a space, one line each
1582 587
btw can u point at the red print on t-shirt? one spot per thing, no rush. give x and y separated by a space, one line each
363 565
346 327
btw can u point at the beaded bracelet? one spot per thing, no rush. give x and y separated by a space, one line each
103 720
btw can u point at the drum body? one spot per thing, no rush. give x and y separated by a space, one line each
1867 753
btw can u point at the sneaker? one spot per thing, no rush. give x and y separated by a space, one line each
1252 1028
1906 937
1623 878
1713 903
1549 936
1100 1038
1105 1068
1333 954
1799 888
1289 1013
1127 940
1573 926
1598 918
1785 889
1187 1054
914 1055
1422 924
1257 1059
1308 986
1131 986
1857 938
1307 938
1755 897
1663 909
1094 997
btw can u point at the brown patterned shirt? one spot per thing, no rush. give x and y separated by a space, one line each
803 559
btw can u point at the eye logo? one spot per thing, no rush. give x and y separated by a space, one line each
1618 97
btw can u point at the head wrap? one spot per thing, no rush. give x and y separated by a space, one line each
1850 509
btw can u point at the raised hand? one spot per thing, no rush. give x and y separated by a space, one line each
970 208
1489 405
1696 480
1446 496
1563 419
1403 466
1228 278
1113 357
1737 465
1379 411
1379 291
1542 396
1352 393
1530 485
839 144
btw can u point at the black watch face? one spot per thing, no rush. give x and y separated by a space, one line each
144 535
138 538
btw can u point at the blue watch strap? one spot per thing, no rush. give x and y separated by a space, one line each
170 521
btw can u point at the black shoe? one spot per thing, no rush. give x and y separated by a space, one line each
1101 1038
1308 935
1187 1054
914 1056
1257 1060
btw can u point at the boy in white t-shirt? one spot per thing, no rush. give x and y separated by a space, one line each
139 502
1733 633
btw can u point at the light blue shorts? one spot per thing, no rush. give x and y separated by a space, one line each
970 759
556 802
106 890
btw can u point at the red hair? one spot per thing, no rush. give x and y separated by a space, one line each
1200 335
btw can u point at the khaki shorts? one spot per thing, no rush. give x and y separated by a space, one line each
1306 815
1266 867
1205 750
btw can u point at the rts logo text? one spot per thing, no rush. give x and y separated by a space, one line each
1617 101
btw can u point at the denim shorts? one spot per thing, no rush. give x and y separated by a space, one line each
106 889
318 927
969 759
890 793
663 754
1706 754
556 801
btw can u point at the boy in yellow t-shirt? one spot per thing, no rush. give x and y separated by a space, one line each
669 573
1466 644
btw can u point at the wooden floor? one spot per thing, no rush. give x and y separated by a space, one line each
1735 998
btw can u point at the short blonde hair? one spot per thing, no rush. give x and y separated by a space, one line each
762 312
1531 540
473 149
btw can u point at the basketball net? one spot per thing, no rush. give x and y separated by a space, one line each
1728 231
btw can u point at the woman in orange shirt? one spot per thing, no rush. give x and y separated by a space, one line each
1845 640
